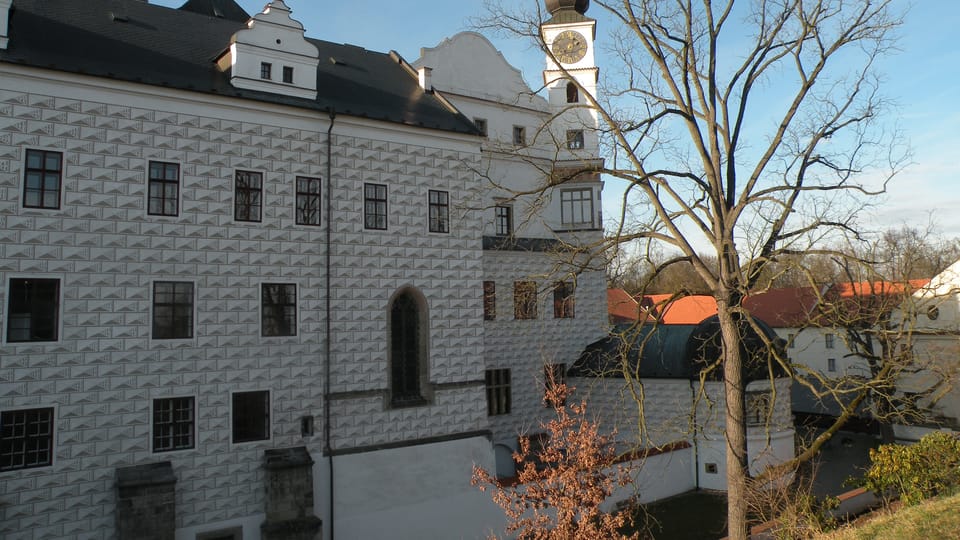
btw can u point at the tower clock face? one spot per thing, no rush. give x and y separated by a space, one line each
569 46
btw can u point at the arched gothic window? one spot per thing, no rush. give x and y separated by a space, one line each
573 93
408 348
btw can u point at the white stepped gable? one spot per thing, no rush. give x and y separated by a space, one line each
271 49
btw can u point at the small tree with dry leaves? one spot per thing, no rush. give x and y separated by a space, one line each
562 483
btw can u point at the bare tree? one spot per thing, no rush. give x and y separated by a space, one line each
746 131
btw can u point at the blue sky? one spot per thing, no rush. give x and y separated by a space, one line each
922 78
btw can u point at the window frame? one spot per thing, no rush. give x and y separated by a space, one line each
568 205
525 300
43 172
289 301
266 71
173 423
497 383
829 341
408 348
757 407
373 203
173 305
831 365
489 300
15 313
482 126
503 220
50 438
162 182
234 417
519 135
573 92
287 75
575 139
304 198
564 300
438 202
240 192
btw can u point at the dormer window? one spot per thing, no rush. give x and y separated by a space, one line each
288 74
265 70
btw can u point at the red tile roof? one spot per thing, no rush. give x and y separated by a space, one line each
621 306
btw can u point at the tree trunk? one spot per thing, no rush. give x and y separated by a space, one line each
736 437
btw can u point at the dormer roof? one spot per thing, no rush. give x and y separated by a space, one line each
134 41
221 9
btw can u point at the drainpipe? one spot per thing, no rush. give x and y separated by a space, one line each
327 447
696 441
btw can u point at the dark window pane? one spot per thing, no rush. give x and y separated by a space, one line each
247 196
33 310
278 304
173 424
172 310
251 416
41 180
164 190
26 439
405 350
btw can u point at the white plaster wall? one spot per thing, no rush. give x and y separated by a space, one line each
418 492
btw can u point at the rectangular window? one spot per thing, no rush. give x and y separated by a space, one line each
553 374
42 178
251 416
563 300
164 189
831 364
173 424
489 301
498 391
278 309
481 124
308 201
288 74
519 135
26 439
524 299
248 196
375 206
757 407
576 207
172 310
828 341
265 70
575 139
503 218
33 310
439 202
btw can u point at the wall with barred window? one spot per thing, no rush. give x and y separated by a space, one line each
105 369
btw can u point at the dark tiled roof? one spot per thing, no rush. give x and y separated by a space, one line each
135 41
225 9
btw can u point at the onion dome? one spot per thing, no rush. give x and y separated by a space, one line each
553 6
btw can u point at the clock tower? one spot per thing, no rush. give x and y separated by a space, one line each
571 74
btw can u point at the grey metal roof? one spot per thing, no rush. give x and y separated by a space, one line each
132 40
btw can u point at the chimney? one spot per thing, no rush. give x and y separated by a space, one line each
426 76
4 22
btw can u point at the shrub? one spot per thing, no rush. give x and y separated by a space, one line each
927 468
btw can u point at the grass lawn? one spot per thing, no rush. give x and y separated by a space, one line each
934 519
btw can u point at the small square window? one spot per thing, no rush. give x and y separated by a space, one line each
26 439
563 300
525 300
173 424
375 206
503 220
33 310
498 391
489 300
266 69
439 202
251 416
164 189
519 135
288 74
575 139
42 179
172 310
278 305
308 201
481 124
248 196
